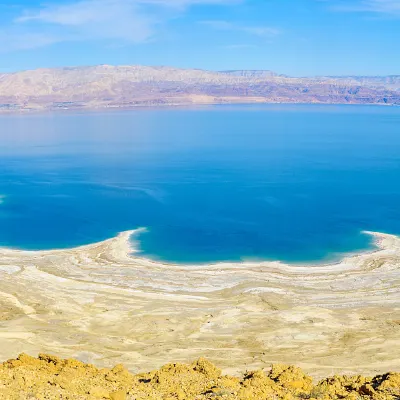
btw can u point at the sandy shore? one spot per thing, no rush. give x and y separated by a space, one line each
100 303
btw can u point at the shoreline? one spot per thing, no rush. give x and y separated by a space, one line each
133 247
102 109
375 247
102 304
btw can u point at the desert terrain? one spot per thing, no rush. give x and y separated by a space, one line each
103 304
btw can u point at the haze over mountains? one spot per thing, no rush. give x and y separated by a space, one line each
107 86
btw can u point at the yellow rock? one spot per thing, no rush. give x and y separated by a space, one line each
99 393
119 395
51 378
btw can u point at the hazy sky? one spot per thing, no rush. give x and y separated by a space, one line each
296 37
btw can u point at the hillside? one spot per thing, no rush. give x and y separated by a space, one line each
49 377
129 86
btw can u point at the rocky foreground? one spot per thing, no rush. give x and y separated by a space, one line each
107 86
48 377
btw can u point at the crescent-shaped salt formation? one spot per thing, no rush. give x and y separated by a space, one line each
101 303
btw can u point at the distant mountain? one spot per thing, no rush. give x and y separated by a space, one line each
259 74
391 82
107 86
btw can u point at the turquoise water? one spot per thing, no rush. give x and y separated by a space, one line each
275 182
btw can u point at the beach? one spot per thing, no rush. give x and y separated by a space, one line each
103 304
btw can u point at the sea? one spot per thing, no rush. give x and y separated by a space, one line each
294 183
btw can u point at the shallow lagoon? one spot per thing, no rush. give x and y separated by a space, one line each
290 182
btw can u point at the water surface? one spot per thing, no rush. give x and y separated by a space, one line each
289 182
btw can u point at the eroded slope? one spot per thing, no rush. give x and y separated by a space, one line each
49 377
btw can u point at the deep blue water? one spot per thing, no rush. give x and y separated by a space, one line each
294 183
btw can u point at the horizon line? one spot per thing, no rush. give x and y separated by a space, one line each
66 67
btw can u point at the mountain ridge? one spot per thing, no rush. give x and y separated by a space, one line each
107 86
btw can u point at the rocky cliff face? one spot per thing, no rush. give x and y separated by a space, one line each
391 82
49 377
128 86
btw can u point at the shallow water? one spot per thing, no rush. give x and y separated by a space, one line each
295 183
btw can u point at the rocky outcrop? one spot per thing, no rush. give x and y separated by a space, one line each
48 377
131 86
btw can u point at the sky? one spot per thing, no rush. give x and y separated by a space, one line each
293 37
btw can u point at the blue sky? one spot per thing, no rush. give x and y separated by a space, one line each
295 37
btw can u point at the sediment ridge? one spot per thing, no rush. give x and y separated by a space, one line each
48 377
103 304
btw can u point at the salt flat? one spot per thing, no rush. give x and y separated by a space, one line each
101 303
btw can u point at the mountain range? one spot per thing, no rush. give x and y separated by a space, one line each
106 86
